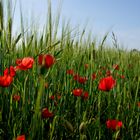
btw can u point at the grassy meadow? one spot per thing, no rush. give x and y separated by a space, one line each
67 86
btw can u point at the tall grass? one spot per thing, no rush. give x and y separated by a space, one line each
71 114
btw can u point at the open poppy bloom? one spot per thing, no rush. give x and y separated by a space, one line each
46 114
82 80
16 97
7 77
10 71
85 95
76 77
52 97
77 92
18 61
113 124
106 83
108 73
6 80
49 60
24 64
70 72
46 60
22 137
93 76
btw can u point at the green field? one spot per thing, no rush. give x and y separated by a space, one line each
67 86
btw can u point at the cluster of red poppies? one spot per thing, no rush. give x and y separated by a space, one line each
105 84
7 77
114 124
26 63
79 92
9 73
46 60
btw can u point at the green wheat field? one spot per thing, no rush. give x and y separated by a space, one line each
67 86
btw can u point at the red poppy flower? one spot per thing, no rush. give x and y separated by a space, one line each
76 77
113 124
46 114
25 63
93 76
70 72
22 137
122 76
108 73
77 92
18 61
40 59
6 72
85 95
49 60
52 97
7 77
12 72
106 83
82 80
55 99
16 97
58 97
6 80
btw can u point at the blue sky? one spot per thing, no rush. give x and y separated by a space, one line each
119 16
